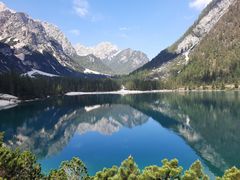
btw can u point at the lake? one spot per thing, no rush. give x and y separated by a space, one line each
103 130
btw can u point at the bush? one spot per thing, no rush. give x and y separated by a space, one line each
22 165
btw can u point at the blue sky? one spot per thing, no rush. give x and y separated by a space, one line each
146 25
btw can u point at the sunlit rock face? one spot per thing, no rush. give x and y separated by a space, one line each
171 61
204 25
103 50
119 61
55 33
36 43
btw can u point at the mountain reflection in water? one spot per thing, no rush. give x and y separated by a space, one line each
207 122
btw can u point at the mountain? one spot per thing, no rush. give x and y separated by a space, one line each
206 52
32 45
119 61
55 33
127 61
8 61
103 50
93 63
38 46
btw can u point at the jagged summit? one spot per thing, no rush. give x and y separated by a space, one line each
43 46
102 50
29 41
54 32
120 61
3 7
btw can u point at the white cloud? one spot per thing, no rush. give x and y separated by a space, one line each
75 32
81 7
199 4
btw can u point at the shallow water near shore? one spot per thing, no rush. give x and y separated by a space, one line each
103 130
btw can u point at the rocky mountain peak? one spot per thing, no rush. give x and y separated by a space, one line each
37 45
54 32
3 7
120 61
102 50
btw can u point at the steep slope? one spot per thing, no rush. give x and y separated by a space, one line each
8 61
127 61
30 43
171 61
55 33
119 61
93 63
89 62
217 57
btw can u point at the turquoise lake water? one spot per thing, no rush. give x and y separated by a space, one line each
103 130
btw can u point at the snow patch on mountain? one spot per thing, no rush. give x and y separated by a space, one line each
33 73
89 71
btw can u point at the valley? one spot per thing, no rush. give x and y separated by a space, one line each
108 81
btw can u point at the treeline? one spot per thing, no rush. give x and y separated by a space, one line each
23 165
143 85
25 87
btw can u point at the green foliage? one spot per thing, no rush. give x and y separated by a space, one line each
138 81
96 65
216 58
127 170
169 170
231 174
74 170
18 165
195 172
106 173
57 174
41 87
22 165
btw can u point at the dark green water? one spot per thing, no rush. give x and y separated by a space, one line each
103 130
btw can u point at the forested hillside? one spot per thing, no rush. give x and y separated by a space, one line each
217 58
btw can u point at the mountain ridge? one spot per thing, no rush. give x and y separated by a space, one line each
42 46
121 62
171 61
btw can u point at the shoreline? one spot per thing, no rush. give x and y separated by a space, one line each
126 92
8 101
121 92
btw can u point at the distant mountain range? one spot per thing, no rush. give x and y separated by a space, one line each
28 45
207 52
117 61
